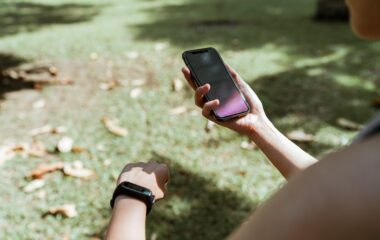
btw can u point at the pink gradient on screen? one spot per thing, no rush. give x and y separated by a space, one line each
233 105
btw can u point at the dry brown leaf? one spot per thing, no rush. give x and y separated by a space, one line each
248 145
178 110
177 84
43 169
53 70
47 129
36 149
77 170
76 149
107 86
348 124
65 144
135 93
300 136
34 185
66 210
113 127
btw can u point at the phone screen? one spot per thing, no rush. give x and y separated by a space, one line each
207 67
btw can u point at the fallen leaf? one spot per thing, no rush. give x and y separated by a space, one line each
65 81
300 136
39 104
177 110
66 210
348 124
209 126
65 145
43 169
177 84
135 92
113 127
47 129
242 173
248 145
76 149
53 70
138 82
107 86
76 169
34 185
36 149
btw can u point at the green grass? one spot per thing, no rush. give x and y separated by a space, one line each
307 74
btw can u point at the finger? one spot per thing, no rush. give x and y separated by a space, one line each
187 75
208 107
199 94
232 71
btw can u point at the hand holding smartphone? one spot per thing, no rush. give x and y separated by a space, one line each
206 66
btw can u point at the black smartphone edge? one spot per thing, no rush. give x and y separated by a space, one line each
194 78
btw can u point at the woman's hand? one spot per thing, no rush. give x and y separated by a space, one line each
151 175
244 125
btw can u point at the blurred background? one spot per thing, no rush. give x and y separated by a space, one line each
87 86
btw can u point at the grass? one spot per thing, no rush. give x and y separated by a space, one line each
307 74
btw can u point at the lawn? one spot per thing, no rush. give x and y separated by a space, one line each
307 74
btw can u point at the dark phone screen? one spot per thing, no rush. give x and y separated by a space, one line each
209 68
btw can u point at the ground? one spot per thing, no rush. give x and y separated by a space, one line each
307 74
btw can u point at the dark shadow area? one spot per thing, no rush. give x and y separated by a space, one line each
213 213
27 16
319 99
243 24
7 84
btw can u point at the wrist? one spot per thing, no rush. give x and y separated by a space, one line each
130 205
260 127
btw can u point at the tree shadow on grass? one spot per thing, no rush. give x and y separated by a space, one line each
195 207
26 16
314 94
238 25
8 84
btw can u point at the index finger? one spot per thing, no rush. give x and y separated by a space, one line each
187 75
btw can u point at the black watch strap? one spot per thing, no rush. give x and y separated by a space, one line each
134 191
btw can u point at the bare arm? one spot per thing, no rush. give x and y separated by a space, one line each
129 214
337 198
286 156
128 220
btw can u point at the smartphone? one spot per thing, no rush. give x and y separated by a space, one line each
206 66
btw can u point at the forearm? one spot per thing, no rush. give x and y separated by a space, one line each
286 156
128 220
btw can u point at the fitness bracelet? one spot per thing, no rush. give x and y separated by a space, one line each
134 191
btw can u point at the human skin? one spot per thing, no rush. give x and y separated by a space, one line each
336 198
365 18
129 214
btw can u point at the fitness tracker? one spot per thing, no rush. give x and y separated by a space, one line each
134 191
